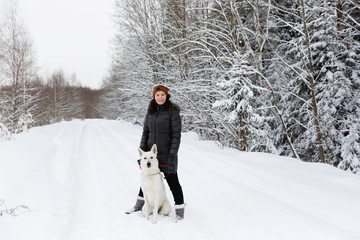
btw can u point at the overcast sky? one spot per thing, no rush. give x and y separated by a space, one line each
73 35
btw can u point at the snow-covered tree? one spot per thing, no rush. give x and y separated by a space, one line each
4 132
17 68
339 82
350 151
240 96
64 100
322 48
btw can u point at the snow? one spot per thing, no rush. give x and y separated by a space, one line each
79 177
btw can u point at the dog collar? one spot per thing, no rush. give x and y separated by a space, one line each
155 173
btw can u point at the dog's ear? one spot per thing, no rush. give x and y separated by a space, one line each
141 152
154 149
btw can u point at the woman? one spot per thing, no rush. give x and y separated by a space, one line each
162 126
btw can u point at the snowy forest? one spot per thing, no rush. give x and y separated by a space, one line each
274 76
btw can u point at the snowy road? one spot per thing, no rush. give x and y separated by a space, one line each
79 177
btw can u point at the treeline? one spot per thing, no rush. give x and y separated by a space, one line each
38 103
26 99
275 76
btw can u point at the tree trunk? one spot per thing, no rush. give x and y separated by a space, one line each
312 86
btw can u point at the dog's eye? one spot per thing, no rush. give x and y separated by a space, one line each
151 157
144 157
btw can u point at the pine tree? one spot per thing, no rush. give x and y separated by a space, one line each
240 96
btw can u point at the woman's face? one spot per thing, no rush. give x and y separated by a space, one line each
160 97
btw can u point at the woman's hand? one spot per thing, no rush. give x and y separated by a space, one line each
172 163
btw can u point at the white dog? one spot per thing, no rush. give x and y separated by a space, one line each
152 185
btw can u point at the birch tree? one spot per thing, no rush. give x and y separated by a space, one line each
17 68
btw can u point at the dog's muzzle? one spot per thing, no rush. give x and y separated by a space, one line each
148 164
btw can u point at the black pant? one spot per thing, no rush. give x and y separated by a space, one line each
175 187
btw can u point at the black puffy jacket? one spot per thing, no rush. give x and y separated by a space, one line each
162 126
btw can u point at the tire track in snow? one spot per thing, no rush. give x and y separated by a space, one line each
86 195
121 163
100 185
115 139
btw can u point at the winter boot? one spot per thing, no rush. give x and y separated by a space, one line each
138 205
179 212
